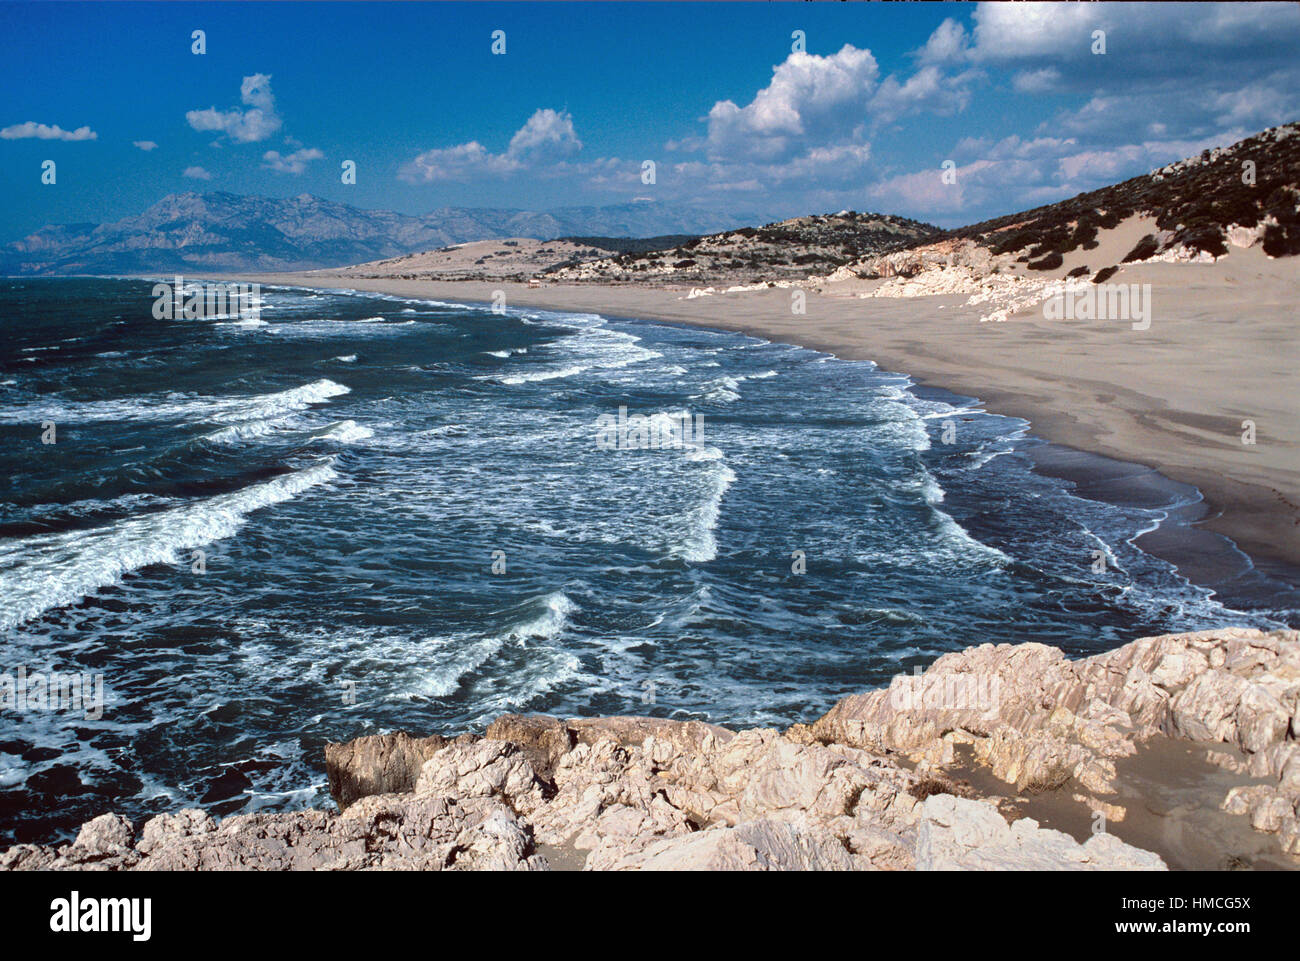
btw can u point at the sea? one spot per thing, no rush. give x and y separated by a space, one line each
354 513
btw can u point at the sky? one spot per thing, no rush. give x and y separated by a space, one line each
788 108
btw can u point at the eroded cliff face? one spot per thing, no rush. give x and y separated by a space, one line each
863 788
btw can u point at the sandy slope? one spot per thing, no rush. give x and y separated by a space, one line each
1222 347
515 258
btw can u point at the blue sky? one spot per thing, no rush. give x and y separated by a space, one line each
733 117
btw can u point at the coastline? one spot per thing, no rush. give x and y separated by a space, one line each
1180 417
1151 756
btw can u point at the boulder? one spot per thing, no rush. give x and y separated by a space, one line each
957 834
377 764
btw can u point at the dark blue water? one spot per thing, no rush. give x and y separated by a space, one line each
351 465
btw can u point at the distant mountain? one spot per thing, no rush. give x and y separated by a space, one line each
228 232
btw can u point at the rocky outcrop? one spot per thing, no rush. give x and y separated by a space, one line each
629 794
862 788
377 764
388 831
961 835
1039 720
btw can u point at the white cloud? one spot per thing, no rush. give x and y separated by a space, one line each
929 89
810 127
294 163
926 192
40 131
1017 174
1172 72
547 138
1026 31
196 173
1134 31
947 44
805 137
256 123
811 100
1256 105
145 145
1043 80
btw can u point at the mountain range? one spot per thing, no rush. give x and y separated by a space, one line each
225 231
1253 185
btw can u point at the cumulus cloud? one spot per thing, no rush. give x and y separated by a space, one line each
40 131
196 173
811 101
1139 33
145 145
1041 80
928 90
295 163
947 44
547 138
815 133
1238 57
255 123
1114 115
925 191
1016 174
810 128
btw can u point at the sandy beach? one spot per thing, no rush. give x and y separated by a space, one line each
1221 349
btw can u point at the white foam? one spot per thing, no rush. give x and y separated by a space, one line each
699 544
593 347
461 654
178 407
539 375
242 432
550 623
723 390
348 432
703 453
48 571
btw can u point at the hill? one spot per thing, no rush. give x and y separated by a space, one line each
1194 209
789 250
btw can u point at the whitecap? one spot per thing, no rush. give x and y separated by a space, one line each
54 570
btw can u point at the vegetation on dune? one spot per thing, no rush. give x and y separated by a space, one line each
633 245
789 249
1195 201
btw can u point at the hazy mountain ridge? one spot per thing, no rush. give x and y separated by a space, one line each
225 231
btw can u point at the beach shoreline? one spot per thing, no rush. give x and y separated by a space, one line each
1171 398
